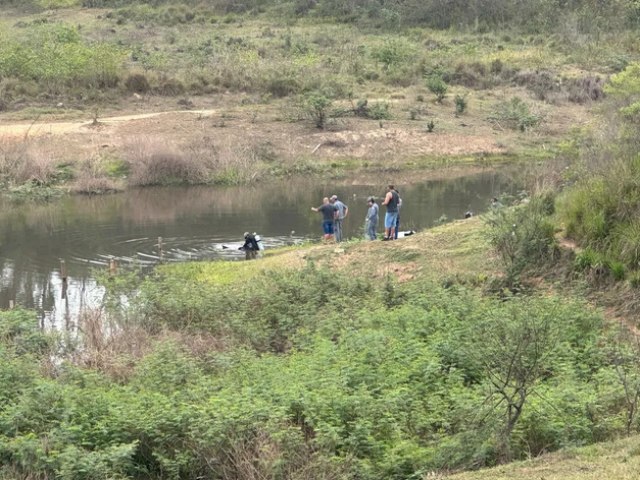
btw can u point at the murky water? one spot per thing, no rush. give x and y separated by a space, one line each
194 223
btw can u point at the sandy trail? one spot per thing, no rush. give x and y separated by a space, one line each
36 128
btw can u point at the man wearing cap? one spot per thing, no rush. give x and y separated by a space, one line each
341 214
371 221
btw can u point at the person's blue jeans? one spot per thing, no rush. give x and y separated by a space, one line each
395 235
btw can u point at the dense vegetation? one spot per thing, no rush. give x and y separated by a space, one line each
312 373
309 374
601 211
174 49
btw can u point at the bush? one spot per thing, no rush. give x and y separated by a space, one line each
138 83
601 212
317 108
394 53
515 114
523 236
461 103
376 111
437 86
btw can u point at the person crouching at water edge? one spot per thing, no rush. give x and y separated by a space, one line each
371 220
391 201
250 247
328 211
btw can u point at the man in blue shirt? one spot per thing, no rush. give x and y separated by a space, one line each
371 224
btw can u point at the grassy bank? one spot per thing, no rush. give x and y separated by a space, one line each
315 362
606 461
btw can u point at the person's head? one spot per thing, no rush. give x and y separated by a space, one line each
390 187
246 234
333 198
325 200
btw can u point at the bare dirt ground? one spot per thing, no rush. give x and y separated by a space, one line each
277 133
353 139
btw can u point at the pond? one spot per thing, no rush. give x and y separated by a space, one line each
195 223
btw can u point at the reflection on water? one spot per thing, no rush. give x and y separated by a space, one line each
194 223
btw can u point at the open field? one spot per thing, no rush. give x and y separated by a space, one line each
239 100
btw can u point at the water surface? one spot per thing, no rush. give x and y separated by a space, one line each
195 223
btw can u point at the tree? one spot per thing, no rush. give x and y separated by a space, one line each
514 349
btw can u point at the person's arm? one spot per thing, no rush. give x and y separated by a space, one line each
315 209
346 211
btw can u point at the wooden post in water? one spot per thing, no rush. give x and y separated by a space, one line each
160 251
113 267
63 275
10 304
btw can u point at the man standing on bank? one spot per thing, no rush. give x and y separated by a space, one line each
343 210
371 220
329 212
391 201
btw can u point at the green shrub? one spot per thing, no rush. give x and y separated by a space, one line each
515 114
461 103
394 52
437 86
317 107
600 212
523 236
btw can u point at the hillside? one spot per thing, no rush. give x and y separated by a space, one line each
467 351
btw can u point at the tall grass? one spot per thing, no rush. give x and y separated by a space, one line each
601 212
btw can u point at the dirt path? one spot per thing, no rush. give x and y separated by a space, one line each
36 128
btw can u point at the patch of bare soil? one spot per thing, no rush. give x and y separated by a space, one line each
356 139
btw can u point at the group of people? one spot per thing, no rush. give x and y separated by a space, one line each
334 212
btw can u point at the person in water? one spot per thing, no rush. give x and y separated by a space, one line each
391 201
329 213
250 246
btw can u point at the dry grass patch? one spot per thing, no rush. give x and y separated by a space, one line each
458 249
618 460
115 349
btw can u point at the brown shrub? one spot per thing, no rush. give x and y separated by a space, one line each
92 178
169 87
585 89
26 161
156 163
137 83
115 349
544 84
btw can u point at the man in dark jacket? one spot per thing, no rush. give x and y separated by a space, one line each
250 246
